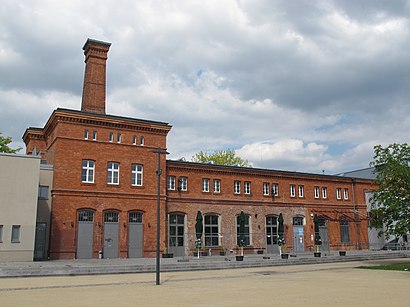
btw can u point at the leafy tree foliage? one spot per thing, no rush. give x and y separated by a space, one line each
4 142
391 202
221 157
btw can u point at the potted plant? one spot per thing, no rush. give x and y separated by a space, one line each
165 254
342 253
222 252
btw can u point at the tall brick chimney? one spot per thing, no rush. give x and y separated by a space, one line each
94 77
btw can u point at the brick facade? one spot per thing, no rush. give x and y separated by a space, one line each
71 137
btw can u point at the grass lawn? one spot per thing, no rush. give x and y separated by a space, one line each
391 267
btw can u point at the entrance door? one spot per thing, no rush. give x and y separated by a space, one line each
85 234
40 242
176 234
111 235
272 235
135 235
298 235
323 233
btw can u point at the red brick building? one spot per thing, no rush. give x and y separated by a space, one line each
104 192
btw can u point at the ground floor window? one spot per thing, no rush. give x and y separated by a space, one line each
344 232
176 229
246 234
211 230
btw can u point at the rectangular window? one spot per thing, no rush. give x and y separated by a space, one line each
324 192
265 188
171 183
346 194
43 192
247 187
275 189
237 187
205 185
211 230
300 190
113 173
85 134
217 186
15 234
338 193
94 135
344 232
292 190
142 141
111 138
87 175
118 137
183 184
246 234
136 175
316 192
1 233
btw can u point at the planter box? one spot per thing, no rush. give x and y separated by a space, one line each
222 253
239 258
342 253
317 254
284 256
259 252
168 255
201 254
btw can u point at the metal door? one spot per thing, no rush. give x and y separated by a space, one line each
272 235
323 233
176 234
135 235
85 234
110 235
40 242
298 235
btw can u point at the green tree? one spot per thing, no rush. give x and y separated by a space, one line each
391 201
4 142
221 157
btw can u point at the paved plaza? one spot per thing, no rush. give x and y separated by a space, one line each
322 284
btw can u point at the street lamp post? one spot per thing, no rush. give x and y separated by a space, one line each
159 171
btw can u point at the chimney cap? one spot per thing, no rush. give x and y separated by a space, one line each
95 42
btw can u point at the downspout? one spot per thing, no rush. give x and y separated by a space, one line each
356 219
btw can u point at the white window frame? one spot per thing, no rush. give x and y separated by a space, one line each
301 189
111 137
266 189
171 183
316 192
217 186
237 187
86 134
137 175
119 137
247 187
89 169
134 140
338 193
183 184
292 191
345 193
113 173
324 192
205 185
142 141
94 135
275 189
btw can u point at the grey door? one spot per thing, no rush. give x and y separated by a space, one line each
40 242
176 234
85 234
323 233
110 235
135 235
272 235
298 235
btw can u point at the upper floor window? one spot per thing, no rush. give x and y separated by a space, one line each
247 187
300 191
113 173
217 186
292 190
111 137
237 187
1 233
142 140
346 194
136 175
265 188
324 192
118 137
338 193
316 191
134 140
94 135
15 234
87 174
43 192
205 185
85 134
183 184
275 189
171 183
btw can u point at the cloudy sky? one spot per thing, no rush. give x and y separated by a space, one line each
292 85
